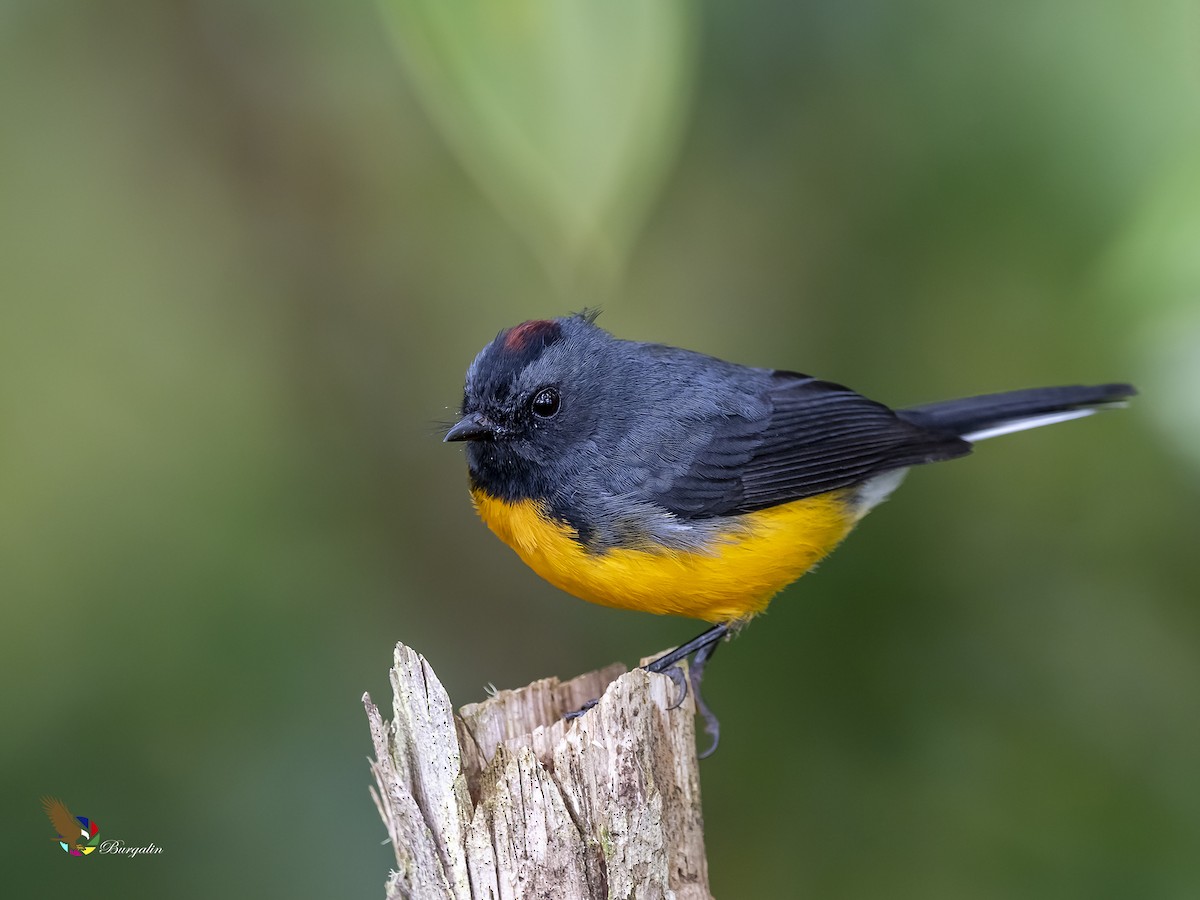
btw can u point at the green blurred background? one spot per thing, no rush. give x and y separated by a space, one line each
247 250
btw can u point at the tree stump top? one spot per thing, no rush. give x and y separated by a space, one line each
507 801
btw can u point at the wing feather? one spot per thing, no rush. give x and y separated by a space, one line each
65 824
807 438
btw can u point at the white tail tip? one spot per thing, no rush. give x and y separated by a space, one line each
1021 424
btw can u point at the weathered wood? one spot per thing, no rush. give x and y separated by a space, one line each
506 801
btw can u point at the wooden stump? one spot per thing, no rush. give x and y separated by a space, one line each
506 801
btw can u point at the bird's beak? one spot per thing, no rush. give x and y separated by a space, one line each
472 427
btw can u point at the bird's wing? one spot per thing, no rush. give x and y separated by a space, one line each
65 824
810 437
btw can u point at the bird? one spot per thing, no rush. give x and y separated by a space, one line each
66 826
643 476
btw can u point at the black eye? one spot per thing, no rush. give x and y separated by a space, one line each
545 403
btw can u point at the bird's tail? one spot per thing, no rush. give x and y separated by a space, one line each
976 418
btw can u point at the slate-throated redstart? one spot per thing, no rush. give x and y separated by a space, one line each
647 477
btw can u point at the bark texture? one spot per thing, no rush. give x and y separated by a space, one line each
506 801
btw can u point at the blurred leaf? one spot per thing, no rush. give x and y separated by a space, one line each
1155 262
1155 272
1170 374
567 112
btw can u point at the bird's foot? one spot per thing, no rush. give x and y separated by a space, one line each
576 713
703 646
700 648
711 724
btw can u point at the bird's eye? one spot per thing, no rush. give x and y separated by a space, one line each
545 403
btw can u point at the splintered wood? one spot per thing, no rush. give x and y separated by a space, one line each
506 801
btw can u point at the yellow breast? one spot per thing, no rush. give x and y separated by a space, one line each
733 577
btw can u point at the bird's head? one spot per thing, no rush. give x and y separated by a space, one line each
532 402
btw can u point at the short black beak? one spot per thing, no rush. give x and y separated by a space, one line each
471 427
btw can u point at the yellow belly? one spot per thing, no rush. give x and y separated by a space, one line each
733 578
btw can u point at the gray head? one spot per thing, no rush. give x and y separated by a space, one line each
532 400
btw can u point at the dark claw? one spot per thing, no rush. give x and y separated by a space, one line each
575 714
701 649
711 724
703 646
676 675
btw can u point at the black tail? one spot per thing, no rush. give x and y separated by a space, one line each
976 418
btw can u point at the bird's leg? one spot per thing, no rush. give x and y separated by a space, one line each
711 724
667 663
703 646
672 671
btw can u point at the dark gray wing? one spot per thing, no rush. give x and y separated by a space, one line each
809 437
